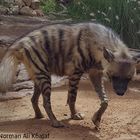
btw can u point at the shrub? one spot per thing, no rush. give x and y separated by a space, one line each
48 5
123 16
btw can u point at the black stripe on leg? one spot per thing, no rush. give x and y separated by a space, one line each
42 77
46 89
46 85
73 86
72 96
42 74
48 82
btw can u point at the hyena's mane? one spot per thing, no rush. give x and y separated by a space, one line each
114 43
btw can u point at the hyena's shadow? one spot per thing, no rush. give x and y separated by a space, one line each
43 126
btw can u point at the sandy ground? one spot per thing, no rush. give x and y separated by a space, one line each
121 121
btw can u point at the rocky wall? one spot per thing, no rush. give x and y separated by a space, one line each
22 7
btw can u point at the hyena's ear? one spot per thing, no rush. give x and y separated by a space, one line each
108 55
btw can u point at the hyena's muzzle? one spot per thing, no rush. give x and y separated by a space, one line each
120 85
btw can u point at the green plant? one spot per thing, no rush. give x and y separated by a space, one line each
123 16
48 5
1 2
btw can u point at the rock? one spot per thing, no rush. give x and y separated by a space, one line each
22 74
14 10
27 2
20 3
39 12
35 4
22 85
9 2
23 7
58 81
14 95
3 10
27 11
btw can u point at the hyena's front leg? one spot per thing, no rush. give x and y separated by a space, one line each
72 94
34 101
96 77
44 82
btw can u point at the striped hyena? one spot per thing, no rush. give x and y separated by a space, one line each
69 50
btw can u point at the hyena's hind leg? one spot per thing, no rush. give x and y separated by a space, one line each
44 83
96 77
72 94
34 100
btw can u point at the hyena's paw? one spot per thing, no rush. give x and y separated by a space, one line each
96 120
57 124
39 116
78 116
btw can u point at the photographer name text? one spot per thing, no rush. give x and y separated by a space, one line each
24 135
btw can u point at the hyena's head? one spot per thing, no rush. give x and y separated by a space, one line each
121 69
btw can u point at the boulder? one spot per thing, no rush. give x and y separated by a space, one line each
19 3
14 95
22 86
35 4
22 74
39 12
27 11
27 2
14 10
3 10
9 1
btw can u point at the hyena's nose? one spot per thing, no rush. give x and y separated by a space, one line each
120 93
120 89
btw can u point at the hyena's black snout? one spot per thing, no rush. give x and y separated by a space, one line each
120 92
120 85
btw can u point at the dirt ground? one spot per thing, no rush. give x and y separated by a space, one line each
121 121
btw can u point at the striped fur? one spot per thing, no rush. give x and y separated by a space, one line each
65 50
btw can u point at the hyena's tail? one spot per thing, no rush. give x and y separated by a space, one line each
8 69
